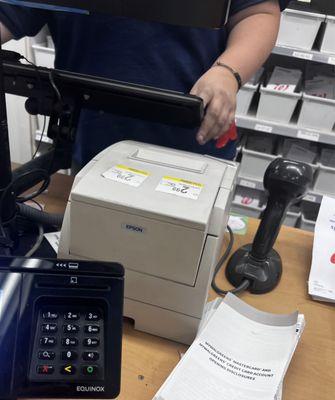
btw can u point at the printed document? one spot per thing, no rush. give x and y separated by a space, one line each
240 353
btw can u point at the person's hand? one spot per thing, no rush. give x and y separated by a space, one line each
218 89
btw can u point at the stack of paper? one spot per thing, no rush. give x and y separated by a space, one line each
240 354
321 284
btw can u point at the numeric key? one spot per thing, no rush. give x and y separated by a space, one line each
71 316
49 328
70 342
70 328
92 329
91 342
49 315
92 316
48 341
69 355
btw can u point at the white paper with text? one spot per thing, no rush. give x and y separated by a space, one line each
241 354
212 306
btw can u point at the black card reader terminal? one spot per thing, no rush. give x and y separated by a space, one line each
60 328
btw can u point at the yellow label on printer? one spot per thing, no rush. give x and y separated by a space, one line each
126 175
184 181
136 171
180 187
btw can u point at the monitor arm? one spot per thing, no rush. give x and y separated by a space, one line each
62 127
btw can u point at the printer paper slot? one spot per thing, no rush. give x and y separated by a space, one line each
169 160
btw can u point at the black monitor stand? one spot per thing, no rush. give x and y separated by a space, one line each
6 197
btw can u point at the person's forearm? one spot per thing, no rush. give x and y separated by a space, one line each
252 39
6 36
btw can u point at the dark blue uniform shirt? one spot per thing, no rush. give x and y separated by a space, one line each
154 54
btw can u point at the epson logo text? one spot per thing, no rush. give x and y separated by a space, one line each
133 228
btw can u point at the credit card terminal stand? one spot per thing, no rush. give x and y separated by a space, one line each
60 328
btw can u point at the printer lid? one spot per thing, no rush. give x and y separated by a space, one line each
154 182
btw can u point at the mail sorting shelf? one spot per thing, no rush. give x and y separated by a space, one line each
289 130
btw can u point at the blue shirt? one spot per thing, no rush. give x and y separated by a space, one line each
154 54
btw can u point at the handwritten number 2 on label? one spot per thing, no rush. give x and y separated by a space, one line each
183 190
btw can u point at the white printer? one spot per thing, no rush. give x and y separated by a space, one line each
162 214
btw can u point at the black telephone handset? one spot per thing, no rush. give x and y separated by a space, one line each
60 328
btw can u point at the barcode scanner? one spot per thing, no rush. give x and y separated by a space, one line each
286 182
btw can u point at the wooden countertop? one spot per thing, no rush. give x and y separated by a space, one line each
148 360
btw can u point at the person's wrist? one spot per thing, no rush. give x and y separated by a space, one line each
228 71
226 79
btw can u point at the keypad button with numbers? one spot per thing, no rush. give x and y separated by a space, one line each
49 328
71 316
48 341
70 342
49 315
92 316
92 329
70 328
91 342
69 355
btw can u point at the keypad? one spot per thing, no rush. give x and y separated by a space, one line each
69 344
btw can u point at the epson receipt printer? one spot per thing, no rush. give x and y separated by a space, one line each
162 214
60 328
